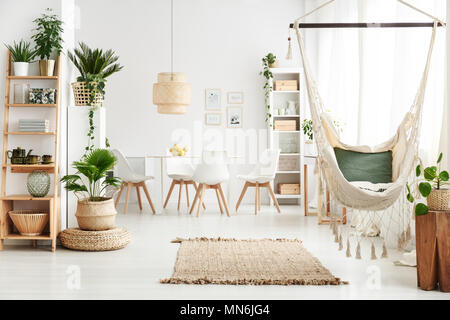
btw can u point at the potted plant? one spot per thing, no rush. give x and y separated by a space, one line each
94 66
21 55
48 39
95 209
431 188
267 62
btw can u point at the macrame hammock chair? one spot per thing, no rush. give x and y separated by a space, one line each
366 196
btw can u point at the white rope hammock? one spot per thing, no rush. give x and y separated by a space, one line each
404 144
365 198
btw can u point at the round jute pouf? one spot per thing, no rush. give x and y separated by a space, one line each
78 239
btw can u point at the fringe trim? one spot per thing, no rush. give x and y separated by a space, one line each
180 240
255 282
373 253
358 251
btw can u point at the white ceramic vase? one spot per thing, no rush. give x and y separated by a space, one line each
21 68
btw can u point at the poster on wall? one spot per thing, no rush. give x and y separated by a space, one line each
213 119
235 97
234 117
212 99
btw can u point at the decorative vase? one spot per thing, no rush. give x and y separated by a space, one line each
21 92
38 183
439 200
96 215
21 68
47 67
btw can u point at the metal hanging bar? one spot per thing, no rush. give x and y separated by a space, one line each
367 25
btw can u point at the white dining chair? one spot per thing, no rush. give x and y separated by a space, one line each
209 174
131 179
261 176
181 171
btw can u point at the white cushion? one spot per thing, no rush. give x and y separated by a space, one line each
255 179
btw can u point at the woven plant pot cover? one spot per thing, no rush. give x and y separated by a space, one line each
78 239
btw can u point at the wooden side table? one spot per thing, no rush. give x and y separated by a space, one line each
433 250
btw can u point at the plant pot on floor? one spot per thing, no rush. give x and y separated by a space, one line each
439 200
21 68
47 67
96 215
82 95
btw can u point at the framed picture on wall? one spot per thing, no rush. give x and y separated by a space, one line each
235 97
213 119
234 117
212 99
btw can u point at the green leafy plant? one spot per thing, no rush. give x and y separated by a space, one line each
433 178
268 88
93 167
22 51
307 128
48 34
94 65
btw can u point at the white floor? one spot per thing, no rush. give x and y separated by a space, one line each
133 272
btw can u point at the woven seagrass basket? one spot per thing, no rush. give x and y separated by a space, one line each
439 200
29 222
82 94
77 239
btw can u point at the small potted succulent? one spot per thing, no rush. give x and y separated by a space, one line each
21 54
431 187
94 188
48 39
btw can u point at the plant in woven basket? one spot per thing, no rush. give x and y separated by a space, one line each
432 183
94 65
268 60
22 51
95 181
48 34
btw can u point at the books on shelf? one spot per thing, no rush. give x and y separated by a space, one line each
34 125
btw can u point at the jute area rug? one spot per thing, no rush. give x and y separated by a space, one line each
248 262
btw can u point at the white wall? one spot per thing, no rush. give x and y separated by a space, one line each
218 44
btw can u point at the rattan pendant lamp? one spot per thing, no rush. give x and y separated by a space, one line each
172 94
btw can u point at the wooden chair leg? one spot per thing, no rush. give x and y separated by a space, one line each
119 194
1 244
129 186
274 198
187 195
195 187
256 197
218 200
179 194
244 190
138 192
259 198
202 188
169 193
197 194
148 196
224 201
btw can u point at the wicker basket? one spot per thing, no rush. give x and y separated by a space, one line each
439 200
29 222
77 239
82 95
96 215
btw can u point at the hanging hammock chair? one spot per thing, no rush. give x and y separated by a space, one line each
364 195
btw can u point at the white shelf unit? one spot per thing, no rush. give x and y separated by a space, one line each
290 142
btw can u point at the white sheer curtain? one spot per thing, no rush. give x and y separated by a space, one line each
368 77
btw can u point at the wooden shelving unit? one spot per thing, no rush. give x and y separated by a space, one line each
8 202
279 99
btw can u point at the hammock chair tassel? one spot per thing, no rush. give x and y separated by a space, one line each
289 53
348 253
408 234
384 255
373 253
340 242
336 238
358 251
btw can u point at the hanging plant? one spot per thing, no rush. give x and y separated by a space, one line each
94 66
268 60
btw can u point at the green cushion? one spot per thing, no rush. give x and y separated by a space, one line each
358 166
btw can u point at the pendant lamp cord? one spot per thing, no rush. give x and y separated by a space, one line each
171 40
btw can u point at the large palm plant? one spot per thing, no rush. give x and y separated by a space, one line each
94 62
93 167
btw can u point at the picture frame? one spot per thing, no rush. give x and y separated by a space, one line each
235 97
213 99
234 117
213 119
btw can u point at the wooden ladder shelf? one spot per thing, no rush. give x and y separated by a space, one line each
7 230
